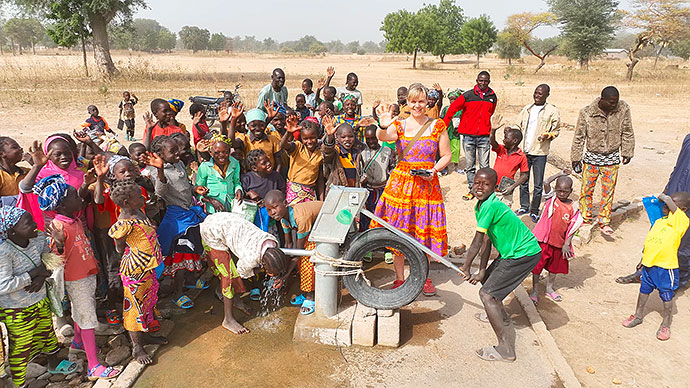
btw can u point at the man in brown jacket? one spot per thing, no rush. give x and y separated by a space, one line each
605 129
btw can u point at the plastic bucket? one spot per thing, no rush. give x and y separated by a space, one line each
653 207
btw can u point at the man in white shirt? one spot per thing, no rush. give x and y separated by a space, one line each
540 123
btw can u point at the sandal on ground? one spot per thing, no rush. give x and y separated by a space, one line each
664 333
606 229
102 372
397 283
468 196
183 302
199 285
429 289
534 217
632 321
388 258
64 368
308 307
491 354
368 257
481 317
520 212
255 294
534 299
298 300
629 279
76 348
112 317
554 296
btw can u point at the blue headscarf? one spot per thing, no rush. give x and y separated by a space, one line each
9 216
176 104
433 93
51 191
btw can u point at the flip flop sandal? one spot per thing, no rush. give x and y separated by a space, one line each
64 368
368 257
255 294
107 373
553 296
534 299
663 334
308 307
607 230
298 300
491 354
468 196
629 279
388 258
199 285
76 348
481 317
631 322
183 302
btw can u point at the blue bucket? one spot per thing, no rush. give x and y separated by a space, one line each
654 208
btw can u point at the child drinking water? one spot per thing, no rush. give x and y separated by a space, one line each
300 219
127 114
80 268
24 305
135 239
218 180
555 231
304 179
659 264
178 232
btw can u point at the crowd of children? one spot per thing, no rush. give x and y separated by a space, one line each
120 218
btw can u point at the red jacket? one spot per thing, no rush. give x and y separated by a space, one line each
476 112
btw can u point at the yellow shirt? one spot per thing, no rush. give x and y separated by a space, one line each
269 144
304 165
9 183
662 241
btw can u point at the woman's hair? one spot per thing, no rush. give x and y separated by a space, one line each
274 261
416 91
252 158
122 190
158 141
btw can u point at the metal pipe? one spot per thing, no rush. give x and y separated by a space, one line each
411 239
297 252
326 287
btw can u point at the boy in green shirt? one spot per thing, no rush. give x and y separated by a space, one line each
519 253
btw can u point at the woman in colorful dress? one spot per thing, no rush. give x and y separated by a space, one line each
414 204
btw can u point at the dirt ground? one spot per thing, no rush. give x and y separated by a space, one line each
43 94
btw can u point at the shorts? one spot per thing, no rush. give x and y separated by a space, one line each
82 295
125 123
223 267
662 279
552 260
504 275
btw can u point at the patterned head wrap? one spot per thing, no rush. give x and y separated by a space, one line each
51 191
176 104
9 216
312 119
218 137
115 159
433 93
455 94
349 97
280 108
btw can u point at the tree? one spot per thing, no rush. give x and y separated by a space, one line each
478 35
166 40
662 22
448 22
408 32
522 25
509 47
194 38
25 32
352 47
587 26
318 48
70 27
146 34
217 42
681 48
371 47
99 14
270 44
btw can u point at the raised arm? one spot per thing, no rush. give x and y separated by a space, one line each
82 137
148 119
101 168
439 102
549 180
455 107
330 71
287 141
672 207
386 120
39 160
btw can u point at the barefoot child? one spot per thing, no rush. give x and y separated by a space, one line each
659 264
555 231
24 305
299 218
305 182
218 180
135 239
518 251
70 242
230 234
127 114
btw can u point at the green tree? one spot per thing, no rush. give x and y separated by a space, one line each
25 32
269 44
217 42
194 38
587 26
478 35
371 47
99 14
509 46
446 29
681 48
318 48
522 25
408 32
166 40
70 26
352 47
146 34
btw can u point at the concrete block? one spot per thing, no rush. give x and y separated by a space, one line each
364 326
316 328
634 208
103 384
618 216
388 328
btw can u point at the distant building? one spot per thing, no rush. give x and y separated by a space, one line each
616 53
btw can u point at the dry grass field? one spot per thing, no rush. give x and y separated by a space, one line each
43 94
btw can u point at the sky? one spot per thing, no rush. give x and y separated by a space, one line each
325 19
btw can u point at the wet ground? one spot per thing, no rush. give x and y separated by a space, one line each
439 336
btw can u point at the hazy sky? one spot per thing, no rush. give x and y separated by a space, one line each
325 19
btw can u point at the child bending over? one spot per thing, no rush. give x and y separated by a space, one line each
305 182
555 231
659 264
230 234
135 239
81 267
299 218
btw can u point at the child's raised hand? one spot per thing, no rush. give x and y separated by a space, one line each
148 119
236 110
90 177
292 123
37 155
152 159
330 71
197 117
223 114
366 121
320 83
377 103
496 122
270 110
57 233
201 190
100 165
81 135
328 125
437 87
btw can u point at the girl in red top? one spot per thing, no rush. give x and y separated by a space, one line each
165 124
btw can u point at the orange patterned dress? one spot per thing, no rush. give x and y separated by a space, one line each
410 203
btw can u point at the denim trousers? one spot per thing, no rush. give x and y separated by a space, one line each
537 165
476 148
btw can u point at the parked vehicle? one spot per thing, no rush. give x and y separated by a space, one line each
213 103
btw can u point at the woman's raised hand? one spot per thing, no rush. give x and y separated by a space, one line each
385 117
